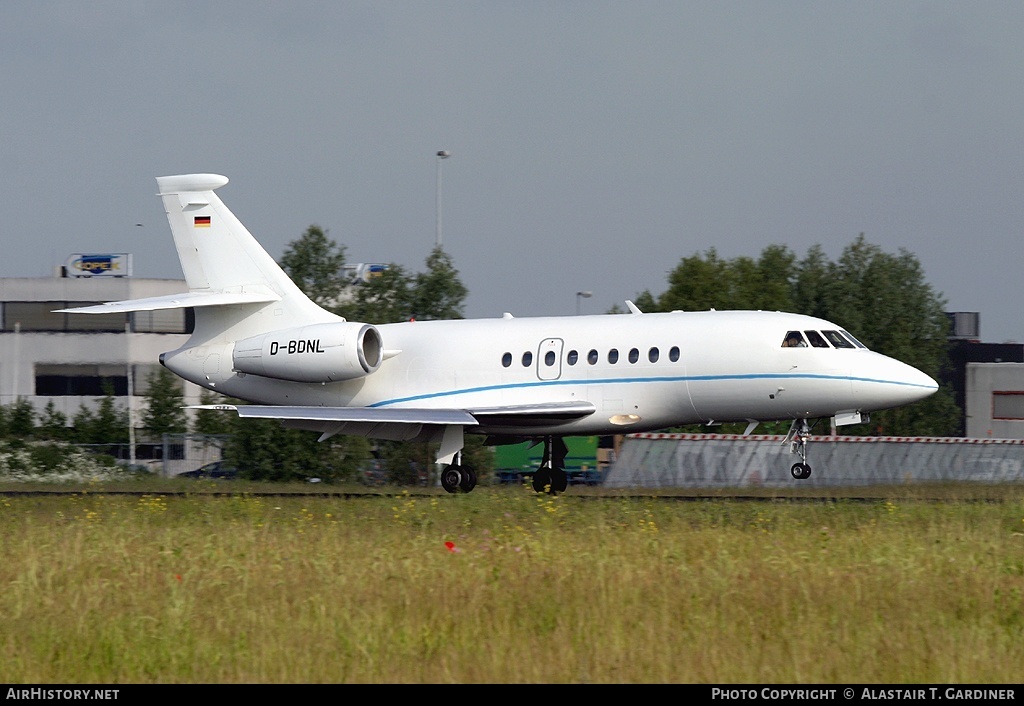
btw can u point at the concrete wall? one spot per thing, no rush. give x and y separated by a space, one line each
713 460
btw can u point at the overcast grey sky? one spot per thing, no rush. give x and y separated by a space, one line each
594 144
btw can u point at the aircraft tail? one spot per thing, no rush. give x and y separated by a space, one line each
236 289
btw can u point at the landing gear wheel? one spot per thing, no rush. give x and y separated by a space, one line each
559 480
801 471
452 478
468 479
542 479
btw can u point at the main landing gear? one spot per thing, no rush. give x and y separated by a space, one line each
551 476
798 436
457 478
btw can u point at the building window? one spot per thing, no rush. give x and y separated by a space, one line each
81 380
41 316
1008 405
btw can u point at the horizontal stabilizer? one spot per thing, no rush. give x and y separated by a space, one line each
177 301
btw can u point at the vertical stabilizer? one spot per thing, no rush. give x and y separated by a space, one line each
219 256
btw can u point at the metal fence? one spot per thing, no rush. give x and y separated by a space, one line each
723 460
189 452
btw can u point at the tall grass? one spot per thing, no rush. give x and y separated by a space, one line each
504 586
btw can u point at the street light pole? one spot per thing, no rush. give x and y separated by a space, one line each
579 296
441 156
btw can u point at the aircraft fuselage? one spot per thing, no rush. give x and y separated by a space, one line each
641 372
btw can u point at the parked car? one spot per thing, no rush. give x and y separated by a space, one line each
217 469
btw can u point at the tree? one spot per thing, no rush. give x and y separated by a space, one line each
438 293
698 284
215 422
884 301
813 280
880 298
108 425
316 265
265 450
21 419
164 405
53 424
384 299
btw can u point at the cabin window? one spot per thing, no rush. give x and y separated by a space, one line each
592 357
572 358
837 339
816 340
673 354
613 356
549 358
652 355
527 359
793 339
506 360
634 355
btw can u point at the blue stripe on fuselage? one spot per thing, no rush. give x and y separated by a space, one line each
624 381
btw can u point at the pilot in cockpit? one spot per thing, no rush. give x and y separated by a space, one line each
794 340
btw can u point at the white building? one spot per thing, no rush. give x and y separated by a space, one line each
72 359
994 400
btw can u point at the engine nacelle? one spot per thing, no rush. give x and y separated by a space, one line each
315 353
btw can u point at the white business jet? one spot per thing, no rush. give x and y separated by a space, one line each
258 338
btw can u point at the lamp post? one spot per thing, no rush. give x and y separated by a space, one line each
441 156
579 296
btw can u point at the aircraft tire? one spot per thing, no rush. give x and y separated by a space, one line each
801 471
451 478
469 479
559 480
542 479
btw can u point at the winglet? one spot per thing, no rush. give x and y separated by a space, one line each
633 308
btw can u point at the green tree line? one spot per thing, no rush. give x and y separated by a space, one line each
883 299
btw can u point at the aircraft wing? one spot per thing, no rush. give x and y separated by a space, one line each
492 416
405 423
373 415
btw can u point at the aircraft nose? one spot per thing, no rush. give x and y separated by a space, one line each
886 382
918 385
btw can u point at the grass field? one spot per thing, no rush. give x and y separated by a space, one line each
503 585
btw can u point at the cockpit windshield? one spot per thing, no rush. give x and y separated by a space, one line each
820 339
855 341
816 340
793 339
837 339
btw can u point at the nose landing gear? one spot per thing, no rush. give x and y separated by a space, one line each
797 438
